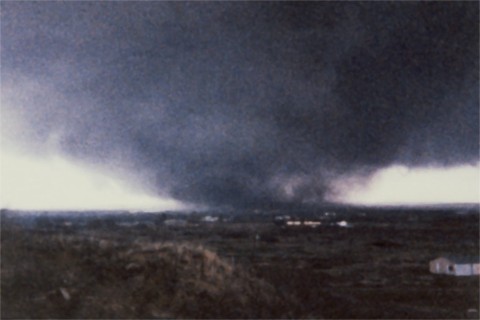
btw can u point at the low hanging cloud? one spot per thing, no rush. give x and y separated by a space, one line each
397 185
243 104
56 183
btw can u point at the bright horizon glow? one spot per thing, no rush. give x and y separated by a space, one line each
55 183
400 185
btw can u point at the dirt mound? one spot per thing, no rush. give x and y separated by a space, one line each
66 277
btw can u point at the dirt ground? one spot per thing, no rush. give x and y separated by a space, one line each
245 265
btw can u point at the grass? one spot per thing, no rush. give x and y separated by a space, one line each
56 276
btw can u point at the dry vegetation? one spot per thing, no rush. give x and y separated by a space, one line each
71 277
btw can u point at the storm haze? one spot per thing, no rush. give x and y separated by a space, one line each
244 104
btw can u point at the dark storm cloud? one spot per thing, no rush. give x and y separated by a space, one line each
247 104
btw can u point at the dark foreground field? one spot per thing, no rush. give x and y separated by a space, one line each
86 265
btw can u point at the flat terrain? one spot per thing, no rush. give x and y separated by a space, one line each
358 263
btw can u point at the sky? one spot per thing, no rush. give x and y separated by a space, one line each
170 105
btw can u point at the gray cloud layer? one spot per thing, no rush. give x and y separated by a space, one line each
246 104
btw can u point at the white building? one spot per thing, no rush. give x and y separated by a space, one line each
210 219
456 266
343 223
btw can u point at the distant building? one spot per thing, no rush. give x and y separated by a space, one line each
294 223
210 219
312 224
343 223
285 220
307 223
456 266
